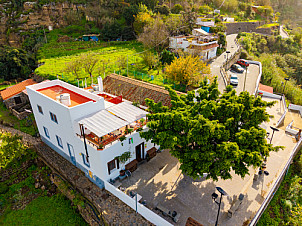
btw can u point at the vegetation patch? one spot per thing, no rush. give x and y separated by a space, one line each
285 207
27 197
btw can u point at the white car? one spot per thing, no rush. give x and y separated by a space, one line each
234 80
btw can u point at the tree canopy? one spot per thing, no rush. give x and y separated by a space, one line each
187 70
211 133
15 63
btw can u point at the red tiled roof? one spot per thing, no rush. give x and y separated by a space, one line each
135 90
265 88
16 89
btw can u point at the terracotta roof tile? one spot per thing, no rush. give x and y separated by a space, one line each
16 89
266 88
135 90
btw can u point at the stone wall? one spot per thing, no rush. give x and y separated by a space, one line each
235 28
32 17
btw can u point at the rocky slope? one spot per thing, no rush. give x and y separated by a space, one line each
16 19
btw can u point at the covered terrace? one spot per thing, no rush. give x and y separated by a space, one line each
107 126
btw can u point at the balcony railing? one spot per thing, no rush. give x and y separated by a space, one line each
101 143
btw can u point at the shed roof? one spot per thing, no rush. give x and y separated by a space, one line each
135 90
265 88
16 89
201 31
127 112
102 123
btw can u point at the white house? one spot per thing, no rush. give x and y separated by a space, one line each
87 128
204 46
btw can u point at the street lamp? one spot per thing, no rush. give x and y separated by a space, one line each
245 78
274 129
227 52
286 80
215 196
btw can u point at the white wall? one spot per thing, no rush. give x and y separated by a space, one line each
142 210
110 152
65 127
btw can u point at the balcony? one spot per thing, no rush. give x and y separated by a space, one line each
100 143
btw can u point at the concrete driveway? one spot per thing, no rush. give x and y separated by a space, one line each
251 78
160 181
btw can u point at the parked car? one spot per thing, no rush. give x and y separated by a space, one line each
234 80
237 68
243 62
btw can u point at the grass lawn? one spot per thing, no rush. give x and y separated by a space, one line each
44 210
55 56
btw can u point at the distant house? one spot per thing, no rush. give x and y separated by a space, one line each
14 95
203 45
91 37
205 24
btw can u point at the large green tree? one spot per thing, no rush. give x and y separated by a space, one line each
15 63
211 133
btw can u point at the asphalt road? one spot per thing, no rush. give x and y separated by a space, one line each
251 78
215 64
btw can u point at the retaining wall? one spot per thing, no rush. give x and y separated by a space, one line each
235 28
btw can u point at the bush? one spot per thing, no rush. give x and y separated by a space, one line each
162 9
3 188
205 9
176 9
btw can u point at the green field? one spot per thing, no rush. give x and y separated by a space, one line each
44 210
118 55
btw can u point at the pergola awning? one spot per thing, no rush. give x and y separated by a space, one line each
127 111
102 123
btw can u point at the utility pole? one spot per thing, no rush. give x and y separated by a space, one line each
245 78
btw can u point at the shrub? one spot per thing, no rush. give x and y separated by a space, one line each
176 8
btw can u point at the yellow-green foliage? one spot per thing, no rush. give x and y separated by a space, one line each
116 56
11 147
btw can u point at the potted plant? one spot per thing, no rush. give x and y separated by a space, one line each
123 158
129 130
142 120
101 147
122 138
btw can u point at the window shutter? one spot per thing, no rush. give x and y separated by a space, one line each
117 163
108 168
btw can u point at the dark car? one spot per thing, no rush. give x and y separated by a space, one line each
237 68
243 62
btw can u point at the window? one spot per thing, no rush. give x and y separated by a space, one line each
40 109
53 117
18 100
111 165
60 143
46 132
85 160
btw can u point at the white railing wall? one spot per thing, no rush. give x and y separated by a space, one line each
259 76
296 108
281 120
276 185
141 209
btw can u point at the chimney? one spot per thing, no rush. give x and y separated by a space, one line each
100 83
65 99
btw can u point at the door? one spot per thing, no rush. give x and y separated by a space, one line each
140 152
71 154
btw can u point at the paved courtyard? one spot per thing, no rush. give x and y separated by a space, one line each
160 181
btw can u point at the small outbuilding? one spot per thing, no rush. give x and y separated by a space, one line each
91 37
